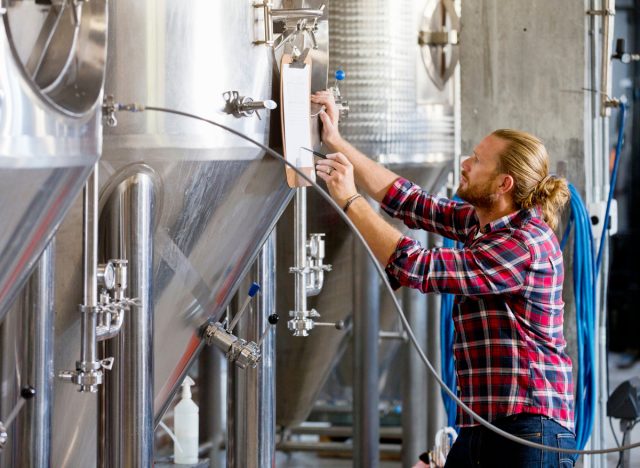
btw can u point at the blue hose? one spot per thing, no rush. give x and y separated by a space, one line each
585 276
612 184
584 284
446 350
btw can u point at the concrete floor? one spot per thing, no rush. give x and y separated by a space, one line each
616 377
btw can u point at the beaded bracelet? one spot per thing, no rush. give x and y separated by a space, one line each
350 200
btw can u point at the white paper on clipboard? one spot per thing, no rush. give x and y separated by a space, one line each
296 118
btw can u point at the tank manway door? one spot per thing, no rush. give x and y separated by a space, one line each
438 40
61 46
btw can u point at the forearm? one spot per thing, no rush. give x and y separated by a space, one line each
381 237
372 177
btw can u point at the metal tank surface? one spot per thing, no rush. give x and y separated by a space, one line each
51 75
396 116
215 196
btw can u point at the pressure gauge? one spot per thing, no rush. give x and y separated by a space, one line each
107 275
61 46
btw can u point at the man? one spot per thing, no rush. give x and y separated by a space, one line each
509 345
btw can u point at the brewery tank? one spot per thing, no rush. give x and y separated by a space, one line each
216 197
398 119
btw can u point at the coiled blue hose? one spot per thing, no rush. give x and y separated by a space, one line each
585 277
584 284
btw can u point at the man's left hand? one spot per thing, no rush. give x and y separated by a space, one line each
337 172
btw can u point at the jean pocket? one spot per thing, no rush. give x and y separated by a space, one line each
565 440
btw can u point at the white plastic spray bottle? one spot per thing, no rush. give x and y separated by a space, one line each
185 426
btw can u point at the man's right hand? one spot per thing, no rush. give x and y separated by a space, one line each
330 117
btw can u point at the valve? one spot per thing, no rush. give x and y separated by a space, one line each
109 317
341 104
302 322
244 106
315 260
26 393
237 350
623 56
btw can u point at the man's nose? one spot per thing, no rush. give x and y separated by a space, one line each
465 163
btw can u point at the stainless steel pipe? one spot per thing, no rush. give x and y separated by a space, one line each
252 404
34 438
366 419
126 429
300 239
88 344
414 401
213 372
27 340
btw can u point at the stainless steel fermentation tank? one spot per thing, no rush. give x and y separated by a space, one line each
211 199
52 60
398 117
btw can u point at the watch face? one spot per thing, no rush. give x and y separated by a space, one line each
109 276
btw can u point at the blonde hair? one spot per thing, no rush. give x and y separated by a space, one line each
527 161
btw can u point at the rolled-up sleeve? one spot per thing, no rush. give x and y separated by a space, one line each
420 210
498 265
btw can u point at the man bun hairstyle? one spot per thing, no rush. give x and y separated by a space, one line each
526 160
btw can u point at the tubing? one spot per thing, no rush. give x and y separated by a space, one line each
323 193
446 350
612 183
584 278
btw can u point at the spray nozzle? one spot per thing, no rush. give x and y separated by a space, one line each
186 387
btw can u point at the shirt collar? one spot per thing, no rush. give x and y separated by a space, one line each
516 220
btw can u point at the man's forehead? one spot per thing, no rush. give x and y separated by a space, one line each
490 148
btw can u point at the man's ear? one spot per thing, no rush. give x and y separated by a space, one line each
506 184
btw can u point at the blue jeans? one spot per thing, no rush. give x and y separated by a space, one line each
478 447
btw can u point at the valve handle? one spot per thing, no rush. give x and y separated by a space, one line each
28 392
339 325
273 319
253 290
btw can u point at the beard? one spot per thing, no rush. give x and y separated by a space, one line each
480 196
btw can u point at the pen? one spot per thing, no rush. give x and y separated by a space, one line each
315 153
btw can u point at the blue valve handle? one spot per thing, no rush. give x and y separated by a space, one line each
340 74
253 290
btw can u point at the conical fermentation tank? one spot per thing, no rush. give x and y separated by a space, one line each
397 117
214 197
51 75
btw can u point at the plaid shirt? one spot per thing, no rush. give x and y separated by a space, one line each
509 345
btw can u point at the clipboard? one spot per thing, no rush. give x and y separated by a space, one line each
295 116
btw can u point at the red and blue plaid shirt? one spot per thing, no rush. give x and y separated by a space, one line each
508 314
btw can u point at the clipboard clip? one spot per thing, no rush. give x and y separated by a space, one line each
298 58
